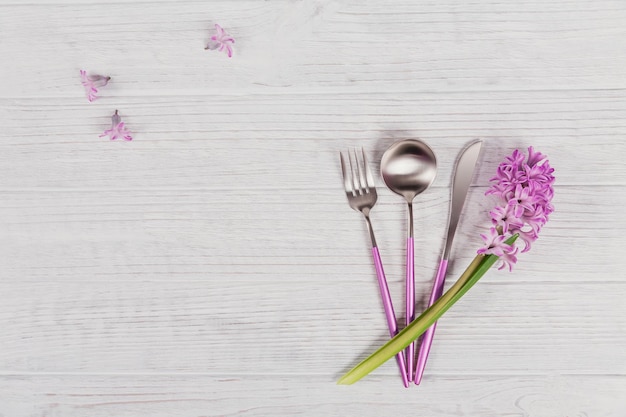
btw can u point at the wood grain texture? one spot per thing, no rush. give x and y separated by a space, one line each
212 267
164 395
299 327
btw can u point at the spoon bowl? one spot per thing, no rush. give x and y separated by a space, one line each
408 168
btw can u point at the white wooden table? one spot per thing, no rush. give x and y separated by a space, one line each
212 266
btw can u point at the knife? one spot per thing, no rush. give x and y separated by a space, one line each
463 173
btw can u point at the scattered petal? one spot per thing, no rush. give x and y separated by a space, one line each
117 130
221 41
91 83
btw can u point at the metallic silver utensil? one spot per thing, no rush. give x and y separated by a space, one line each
463 173
408 168
361 192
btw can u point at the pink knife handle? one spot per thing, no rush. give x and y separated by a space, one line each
389 312
410 302
427 339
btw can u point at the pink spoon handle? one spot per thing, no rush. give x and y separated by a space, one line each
427 339
410 302
389 312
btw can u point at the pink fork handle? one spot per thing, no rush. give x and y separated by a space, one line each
427 339
410 301
389 312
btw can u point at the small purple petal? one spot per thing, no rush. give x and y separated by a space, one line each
221 41
508 258
118 129
505 218
494 243
91 83
534 157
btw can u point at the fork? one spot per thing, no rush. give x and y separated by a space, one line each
361 192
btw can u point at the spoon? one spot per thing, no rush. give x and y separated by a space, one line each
408 168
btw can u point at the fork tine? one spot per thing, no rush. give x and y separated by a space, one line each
368 172
355 174
347 183
364 185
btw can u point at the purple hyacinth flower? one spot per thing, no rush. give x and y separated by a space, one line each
505 218
91 83
117 130
494 244
523 187
507 259
221 41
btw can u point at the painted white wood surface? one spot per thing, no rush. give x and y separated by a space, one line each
212 266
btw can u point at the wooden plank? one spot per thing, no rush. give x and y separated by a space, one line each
212 265
261 144
354 45
272 236
301 327
194 395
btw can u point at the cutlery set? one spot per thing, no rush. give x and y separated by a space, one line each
408 168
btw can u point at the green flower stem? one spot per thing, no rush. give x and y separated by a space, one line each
479 266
